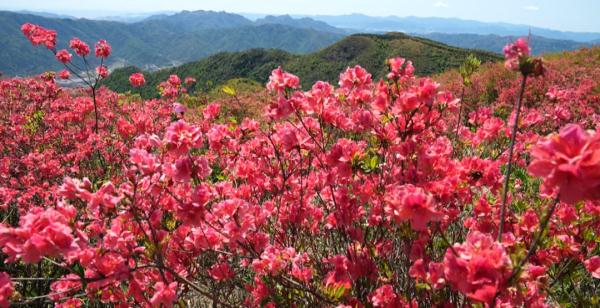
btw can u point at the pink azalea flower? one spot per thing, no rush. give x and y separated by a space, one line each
174 80
102 49
384 296
80 48
410 203
102 71
479 268
593 266
40 233
569 163
400 68
182 137
64 74
164 295
220 271
63 56
39 36
514 53
355 77
279 81
137 79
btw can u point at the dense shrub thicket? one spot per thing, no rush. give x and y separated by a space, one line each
372 193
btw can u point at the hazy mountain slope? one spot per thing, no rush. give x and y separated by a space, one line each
368 50
305 23
159 41
413 24
189 21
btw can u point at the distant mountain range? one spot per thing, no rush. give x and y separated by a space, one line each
303 22
154 42
368 50
168 39
421 25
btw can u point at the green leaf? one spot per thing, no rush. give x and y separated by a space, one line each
229 91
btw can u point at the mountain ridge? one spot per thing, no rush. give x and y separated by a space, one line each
414 24
367 50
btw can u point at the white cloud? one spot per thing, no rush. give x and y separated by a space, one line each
441 4
532 8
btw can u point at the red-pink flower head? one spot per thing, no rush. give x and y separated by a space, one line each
137 79
220 272
102 49
593 266
520 48
65 287
355 77
164 295
70 303
40 233
569 163
80 48
478 267
515 52
39 36
280 81
410 203
384 296
181 137
102 71
63 56
174 81
64 74
398 69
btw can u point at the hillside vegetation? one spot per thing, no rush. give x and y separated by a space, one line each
368 50
365 192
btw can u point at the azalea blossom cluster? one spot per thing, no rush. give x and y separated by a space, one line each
38 35
352 195
137 80
518 59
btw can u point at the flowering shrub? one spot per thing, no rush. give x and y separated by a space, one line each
348 196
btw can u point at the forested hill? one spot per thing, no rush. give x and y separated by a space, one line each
368 50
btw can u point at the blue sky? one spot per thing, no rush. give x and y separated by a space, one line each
570 15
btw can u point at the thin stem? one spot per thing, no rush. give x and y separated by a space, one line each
446 240
196 288
95 108
41 279
513 138
458 122
534 245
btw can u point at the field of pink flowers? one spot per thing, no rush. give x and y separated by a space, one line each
483 191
